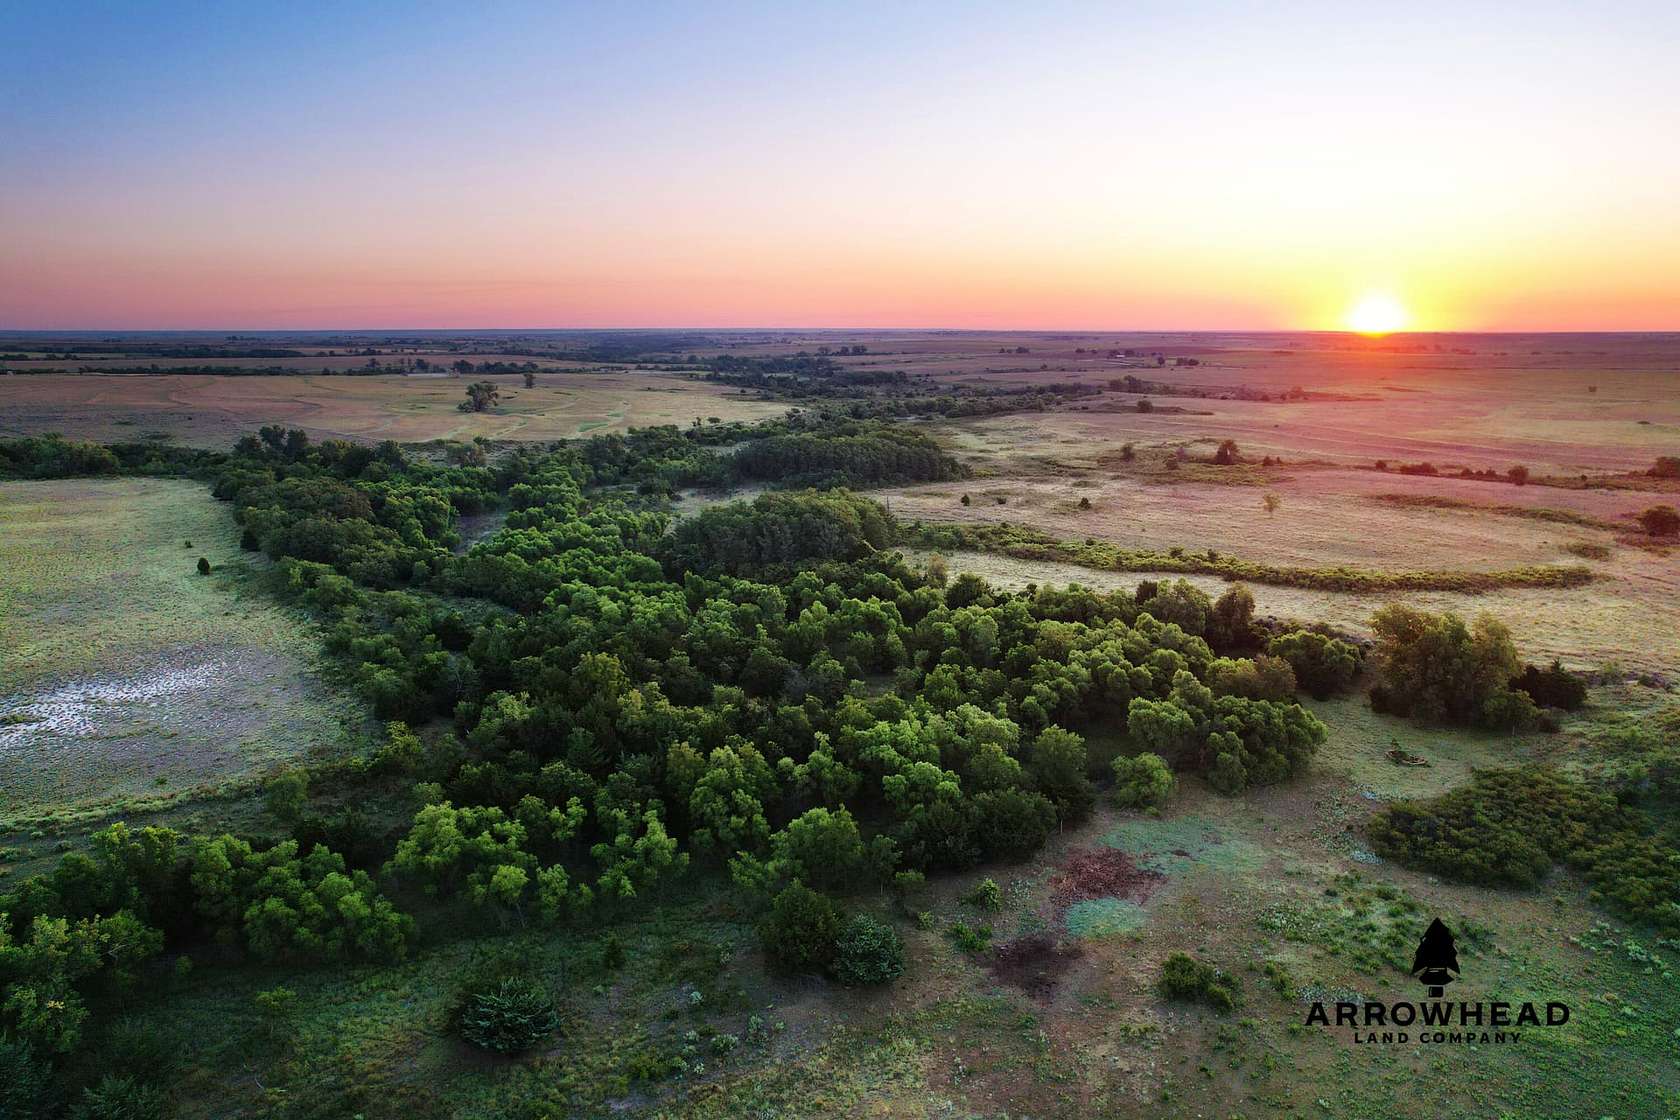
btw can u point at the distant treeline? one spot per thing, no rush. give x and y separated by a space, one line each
805 449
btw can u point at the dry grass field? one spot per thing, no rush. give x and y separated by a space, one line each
1557 405
211 411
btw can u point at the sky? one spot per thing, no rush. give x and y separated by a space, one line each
1177 165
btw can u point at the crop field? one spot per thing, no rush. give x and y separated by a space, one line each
128 678
211 411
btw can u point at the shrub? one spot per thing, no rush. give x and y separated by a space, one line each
1554 687
867 952
970 939
26 1083
1660 521
1323 665
1508 827
120 1098
1144 781
1012 824
203 566
1435 668
612 954
140 1051
986 895
1188 980
1667 466
1504 829
1027 543
801 930
275 1008
938 572
509 1017
1227 453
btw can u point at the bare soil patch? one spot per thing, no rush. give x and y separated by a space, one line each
1035 963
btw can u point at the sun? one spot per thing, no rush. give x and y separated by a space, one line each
1377 313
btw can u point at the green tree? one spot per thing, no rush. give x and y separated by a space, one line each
867 952
481 396
1143 781
801 932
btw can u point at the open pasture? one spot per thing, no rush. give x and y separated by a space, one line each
211 411
128 677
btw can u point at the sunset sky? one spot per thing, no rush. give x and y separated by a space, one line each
1119 165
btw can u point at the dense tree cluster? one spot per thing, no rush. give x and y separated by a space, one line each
861 457
768 690
85 929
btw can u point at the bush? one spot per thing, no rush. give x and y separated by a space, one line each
1508 827
509 1017
1554 687
1323 665
970 939
1012 824
141 1051
1435 668
1188 980
1263 678
203 566
986 895
1142 782
26 1083
1660 521
120 1098
868 952
801 931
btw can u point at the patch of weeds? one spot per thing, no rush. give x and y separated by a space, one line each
1282 982
1372 926
986 895
970 939
1187 980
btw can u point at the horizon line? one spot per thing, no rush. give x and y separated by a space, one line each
13 331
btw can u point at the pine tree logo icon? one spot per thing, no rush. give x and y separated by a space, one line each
1436 962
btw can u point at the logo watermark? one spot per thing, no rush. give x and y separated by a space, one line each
1435 1020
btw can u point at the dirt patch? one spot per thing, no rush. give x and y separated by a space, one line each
1101 873
1035 963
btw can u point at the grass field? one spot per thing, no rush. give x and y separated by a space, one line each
129 678
213 411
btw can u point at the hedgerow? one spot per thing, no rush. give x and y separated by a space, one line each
1026 543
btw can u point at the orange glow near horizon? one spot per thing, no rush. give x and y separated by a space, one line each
1000 169
1377 314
